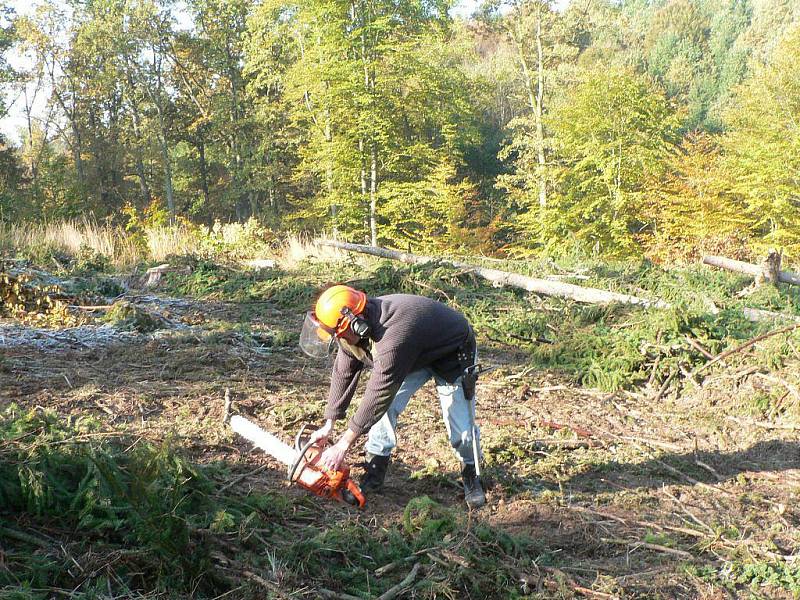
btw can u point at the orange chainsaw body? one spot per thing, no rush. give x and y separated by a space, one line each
328 484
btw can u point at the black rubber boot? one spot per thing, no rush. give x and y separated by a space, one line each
473 490
375 472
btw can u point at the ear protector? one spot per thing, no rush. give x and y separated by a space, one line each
358 325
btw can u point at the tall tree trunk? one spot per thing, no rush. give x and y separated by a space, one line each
252 198
162 142
147 198
363 158
156 96
535 99
32 166
76 154
539 112
138 154
361 142
201 150
373 194
98 159
244 200
329 172
272 197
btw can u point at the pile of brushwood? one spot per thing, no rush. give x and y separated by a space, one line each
141 517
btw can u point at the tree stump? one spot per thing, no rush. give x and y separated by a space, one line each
771 268
154 275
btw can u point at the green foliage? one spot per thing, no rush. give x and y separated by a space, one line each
765 109
761 577
89 261
233 241
526 129
693 211
145 497
613 131
372 87
427 520
211 280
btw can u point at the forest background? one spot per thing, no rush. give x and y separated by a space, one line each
630 128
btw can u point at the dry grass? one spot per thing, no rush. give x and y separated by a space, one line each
164 241
71 237
122 249
158 242
298 248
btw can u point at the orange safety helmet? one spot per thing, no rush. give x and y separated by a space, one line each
337 309
332 303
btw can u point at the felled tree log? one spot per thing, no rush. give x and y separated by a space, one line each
502 278
766 271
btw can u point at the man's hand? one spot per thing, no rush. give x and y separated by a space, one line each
320 436
333 457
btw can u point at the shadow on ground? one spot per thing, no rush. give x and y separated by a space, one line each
710 467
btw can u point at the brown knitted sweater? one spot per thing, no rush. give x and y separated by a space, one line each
407 333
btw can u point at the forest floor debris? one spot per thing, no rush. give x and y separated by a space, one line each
618 493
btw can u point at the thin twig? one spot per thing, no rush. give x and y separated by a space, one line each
639 522
226 415
24 537
664 386
380 571
331 595
762 424
565 444
696 345
396 589
274 587
690 479
688 512
240 478
747 344
656 547
708 468
584 591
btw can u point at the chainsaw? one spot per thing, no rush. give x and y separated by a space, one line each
302 463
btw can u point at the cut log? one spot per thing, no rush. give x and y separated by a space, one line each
502 278
757 271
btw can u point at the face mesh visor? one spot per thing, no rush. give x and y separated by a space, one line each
315 340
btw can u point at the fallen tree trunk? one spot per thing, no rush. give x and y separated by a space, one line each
502 278
551 288
756 271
